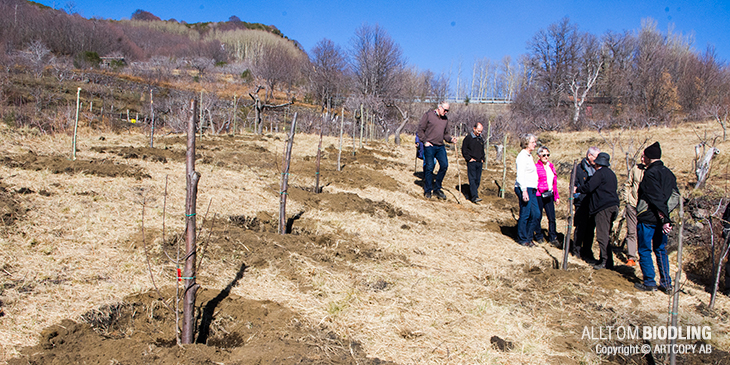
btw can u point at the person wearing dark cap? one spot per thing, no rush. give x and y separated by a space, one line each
653 223
584 226
603 205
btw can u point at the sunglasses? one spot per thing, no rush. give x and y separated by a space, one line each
545 155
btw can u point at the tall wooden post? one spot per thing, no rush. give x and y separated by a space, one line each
76 124
189 272
675 288
285 177
571 216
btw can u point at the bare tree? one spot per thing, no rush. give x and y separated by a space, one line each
327 72
585 73
554 53
38 55
278 64
378 65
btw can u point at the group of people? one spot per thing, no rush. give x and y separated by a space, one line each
594 190
595 196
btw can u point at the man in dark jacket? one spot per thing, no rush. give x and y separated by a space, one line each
584 225
653 223
602 206
472 148
433 130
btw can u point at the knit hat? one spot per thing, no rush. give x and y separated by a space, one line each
603 159
653 152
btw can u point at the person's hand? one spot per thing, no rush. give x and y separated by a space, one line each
525 196
453 139
472 160
428 144
557 201
666 228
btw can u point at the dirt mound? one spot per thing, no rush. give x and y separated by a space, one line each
10 209
60 165
232 330
344 202
373 158
254 242
144 153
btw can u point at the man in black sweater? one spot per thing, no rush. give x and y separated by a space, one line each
603 205
653 223
472 148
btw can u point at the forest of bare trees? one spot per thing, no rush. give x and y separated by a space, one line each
568 79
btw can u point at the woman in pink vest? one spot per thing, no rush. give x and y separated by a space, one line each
547 194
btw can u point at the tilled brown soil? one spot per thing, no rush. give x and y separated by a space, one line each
231 330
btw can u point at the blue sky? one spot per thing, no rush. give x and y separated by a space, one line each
438 35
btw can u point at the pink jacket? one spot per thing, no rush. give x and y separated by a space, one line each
542 185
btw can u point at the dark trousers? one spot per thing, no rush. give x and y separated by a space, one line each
528 216
583 235
604 220
430 182
547 205
474 171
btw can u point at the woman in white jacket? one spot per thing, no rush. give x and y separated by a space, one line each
526 190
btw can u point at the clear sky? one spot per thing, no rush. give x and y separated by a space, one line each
438 35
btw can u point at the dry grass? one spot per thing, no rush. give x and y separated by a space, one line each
462 281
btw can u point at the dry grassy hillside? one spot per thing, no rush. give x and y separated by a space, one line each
371 273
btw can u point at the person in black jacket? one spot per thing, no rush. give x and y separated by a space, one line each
603 205
653 223
472 148
584 226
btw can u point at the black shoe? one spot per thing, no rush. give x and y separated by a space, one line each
556 244
440 194
427 195
643 287
667 291
600 265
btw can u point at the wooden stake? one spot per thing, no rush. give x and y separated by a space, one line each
285 177
504 166
362 123
76 124
235 110
152 123
319 152
189 272
486 145
675 288
571 216
339 154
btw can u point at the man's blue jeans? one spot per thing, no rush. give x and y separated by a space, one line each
651 238
529 213
439 153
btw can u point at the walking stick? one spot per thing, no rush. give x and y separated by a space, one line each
571 215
